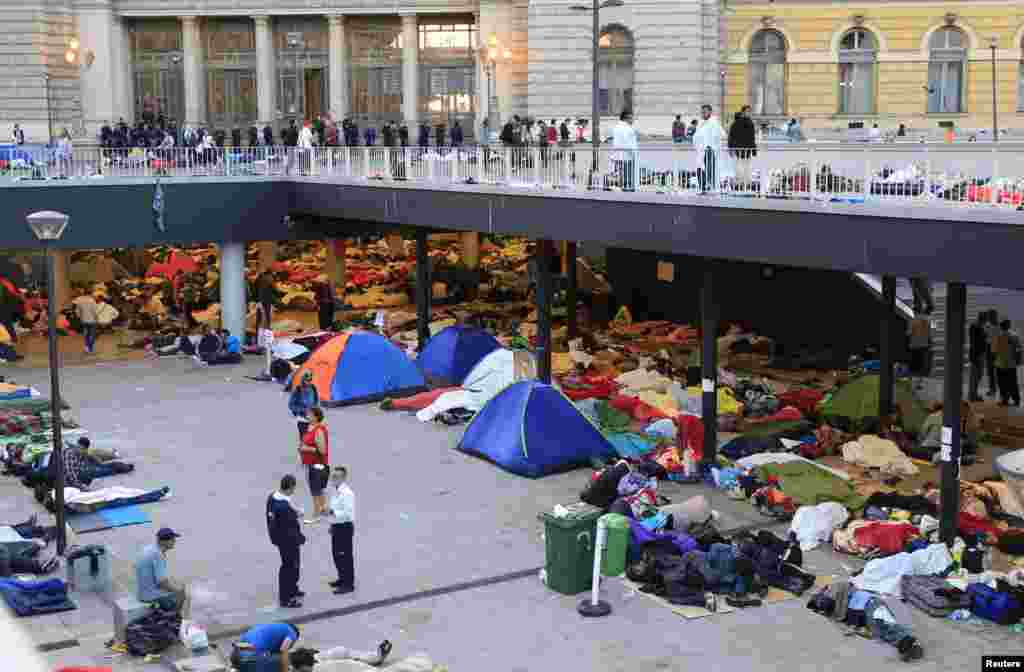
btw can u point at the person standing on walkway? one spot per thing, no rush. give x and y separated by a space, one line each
678 130
991 330
314 450
343 508
265 295
286 533
88 314
625 142
977 353
743 146
325 305
1007 350
920 347
707 140
304 398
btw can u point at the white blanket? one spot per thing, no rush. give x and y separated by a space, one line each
814 524
446 402
76 496
884 574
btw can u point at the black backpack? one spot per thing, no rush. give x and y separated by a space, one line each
155 632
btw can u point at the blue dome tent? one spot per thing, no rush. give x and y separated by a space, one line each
358 367
452 353
533 430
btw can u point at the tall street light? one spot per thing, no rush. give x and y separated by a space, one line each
493 52
49 109
993 43
595 133
48 226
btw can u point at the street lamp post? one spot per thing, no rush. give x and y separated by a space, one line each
48 227
491 70
595 133
49 109
993 43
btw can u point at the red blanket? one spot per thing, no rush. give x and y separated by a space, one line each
418 402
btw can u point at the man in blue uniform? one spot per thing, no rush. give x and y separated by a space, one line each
285 533
269 644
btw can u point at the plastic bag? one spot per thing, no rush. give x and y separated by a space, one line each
193 636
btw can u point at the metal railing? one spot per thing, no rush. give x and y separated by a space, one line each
901 173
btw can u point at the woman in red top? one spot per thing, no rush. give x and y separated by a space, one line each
315 452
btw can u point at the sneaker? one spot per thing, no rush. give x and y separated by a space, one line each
311 521
711 602
344 590
294 603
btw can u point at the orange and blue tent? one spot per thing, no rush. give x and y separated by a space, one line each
359 367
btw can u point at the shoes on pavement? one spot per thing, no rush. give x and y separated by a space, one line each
344 590
294 603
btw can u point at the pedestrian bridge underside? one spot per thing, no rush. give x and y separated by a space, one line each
972 245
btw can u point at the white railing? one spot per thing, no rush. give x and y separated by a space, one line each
894 173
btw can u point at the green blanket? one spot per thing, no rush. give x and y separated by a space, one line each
610 419
809 485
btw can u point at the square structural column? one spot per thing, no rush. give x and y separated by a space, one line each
97 65
410 70
266 72
337 69
195 73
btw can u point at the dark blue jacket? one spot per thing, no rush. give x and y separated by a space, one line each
303 398
283 523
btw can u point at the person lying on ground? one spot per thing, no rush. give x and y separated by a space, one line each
276 641
153 580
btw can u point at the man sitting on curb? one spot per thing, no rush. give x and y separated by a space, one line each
154 583
276 641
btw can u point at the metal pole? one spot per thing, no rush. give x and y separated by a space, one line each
594 111
570 288
995 110
424 290
49 109
543 298
956 307
709 364
885 383
55 404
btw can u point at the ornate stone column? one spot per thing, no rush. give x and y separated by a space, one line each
195 72
338 68
266 72
410 72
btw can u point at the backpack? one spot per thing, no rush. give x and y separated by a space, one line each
999 606
155 632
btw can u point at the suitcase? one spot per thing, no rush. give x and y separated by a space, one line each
920 592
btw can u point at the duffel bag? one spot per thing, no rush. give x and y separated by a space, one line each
920 592
993 605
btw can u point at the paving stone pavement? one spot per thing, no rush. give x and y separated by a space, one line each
428 517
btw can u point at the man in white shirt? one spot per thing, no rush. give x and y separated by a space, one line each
624 141
88 315
875 134
343 508
707 140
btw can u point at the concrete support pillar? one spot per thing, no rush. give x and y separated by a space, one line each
469 249
709 364
410 72
60 293
266 72
98 65
120 82
334 265
544 255
953 381
127 70
195 72
232 288
267 254
571 276
424 288
886 379
338 68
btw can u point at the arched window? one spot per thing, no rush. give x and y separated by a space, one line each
615 71
1020 80
858 53
946 60
768 73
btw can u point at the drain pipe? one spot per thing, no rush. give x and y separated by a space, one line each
595 607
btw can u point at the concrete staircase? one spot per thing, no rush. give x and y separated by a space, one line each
1008 303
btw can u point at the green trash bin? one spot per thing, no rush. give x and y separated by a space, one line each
569 548
613 559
